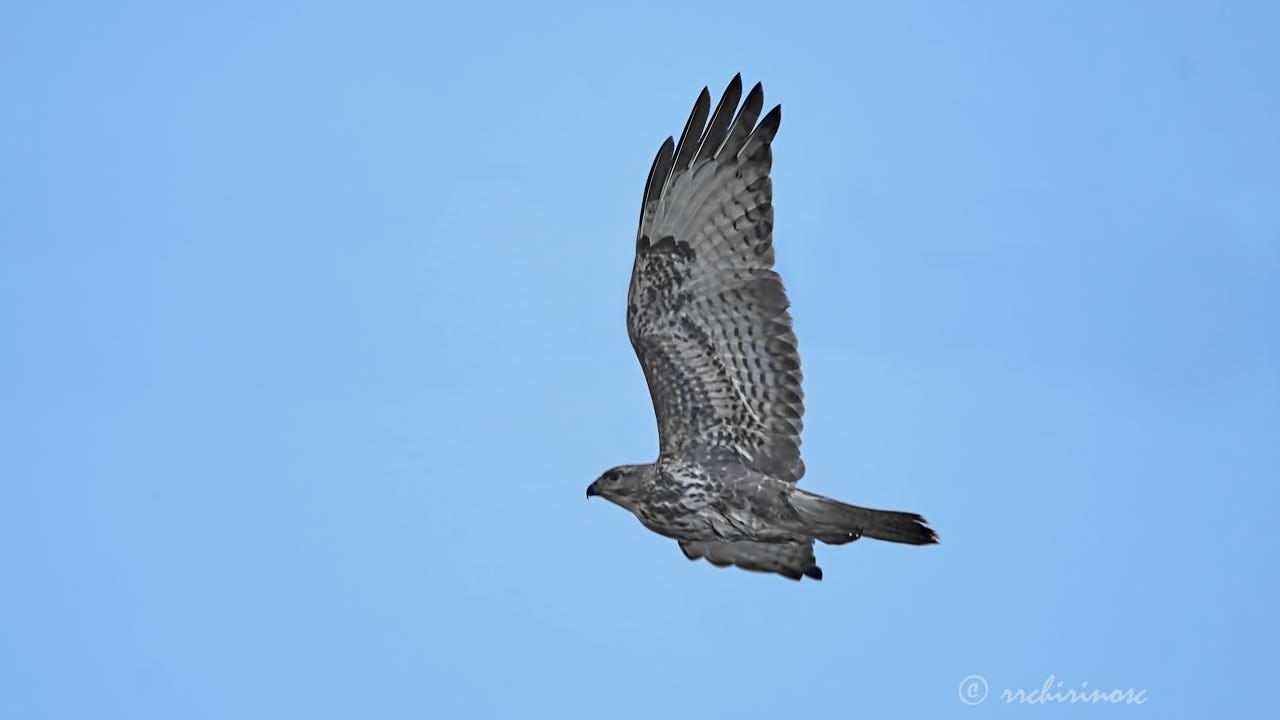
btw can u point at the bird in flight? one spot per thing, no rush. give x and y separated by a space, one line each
707 316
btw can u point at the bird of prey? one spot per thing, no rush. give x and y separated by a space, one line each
707 316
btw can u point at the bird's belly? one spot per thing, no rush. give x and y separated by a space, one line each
678 528
710 523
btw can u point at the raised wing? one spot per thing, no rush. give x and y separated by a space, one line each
706 313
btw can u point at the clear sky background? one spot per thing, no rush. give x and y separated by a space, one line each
313 336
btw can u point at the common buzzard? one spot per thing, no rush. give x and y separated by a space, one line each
707 316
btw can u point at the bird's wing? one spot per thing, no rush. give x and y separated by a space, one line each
706 313
789 559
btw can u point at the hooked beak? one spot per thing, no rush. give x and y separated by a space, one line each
591 490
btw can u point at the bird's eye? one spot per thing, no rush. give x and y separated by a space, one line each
611 475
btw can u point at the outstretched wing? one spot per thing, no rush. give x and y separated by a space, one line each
706 313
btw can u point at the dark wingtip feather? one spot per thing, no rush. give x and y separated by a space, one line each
734 90
713 138
754 101
764 133
692 131
743 123
814 572
768 127
657 176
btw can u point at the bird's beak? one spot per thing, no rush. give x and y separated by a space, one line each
591 490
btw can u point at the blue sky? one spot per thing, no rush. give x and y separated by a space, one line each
313 336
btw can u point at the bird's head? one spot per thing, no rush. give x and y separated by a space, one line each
618 485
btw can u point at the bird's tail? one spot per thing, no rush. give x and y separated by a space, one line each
835 523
